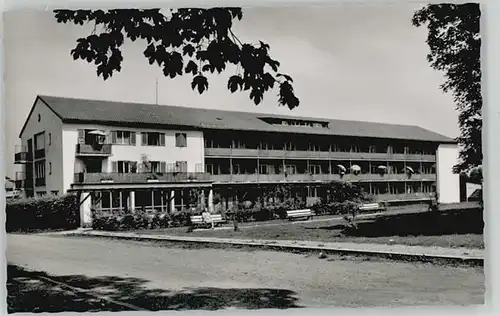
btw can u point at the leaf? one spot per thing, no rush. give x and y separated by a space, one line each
234 83
287 77
273 63
170 37
200 82
188 50
256 96
191 67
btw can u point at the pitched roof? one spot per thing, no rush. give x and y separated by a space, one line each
72 110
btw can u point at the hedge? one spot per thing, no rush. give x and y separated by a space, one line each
42 213
120 220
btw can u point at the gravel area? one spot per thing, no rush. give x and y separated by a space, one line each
162 278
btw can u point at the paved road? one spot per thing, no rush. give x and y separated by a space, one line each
155 277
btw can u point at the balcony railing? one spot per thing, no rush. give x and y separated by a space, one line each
403 197
305 154
262 178
111 177
20 180
93 150
40 182
40 153
21 155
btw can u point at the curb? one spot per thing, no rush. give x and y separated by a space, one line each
391 255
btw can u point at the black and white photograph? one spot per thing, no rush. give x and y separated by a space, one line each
244 158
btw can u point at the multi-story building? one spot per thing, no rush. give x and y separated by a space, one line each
128 155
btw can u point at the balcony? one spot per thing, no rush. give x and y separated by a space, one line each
318 155
40 182
370 177
110 177
22 156
40 153
86 150
20 180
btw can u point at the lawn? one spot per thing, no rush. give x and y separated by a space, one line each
449 228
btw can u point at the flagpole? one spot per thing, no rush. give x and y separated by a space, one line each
156 91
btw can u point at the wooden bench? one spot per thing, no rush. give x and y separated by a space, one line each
197 220
370 207
307 213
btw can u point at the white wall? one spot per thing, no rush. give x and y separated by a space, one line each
448 183
49 123
194 153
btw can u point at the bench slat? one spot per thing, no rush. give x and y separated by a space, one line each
215 218
299 213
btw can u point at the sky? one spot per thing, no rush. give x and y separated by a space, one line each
353 62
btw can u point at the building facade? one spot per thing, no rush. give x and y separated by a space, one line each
125 155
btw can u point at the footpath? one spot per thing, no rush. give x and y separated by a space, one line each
390 251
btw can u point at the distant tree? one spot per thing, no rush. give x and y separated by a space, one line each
475 175
181 42
455 42
145 164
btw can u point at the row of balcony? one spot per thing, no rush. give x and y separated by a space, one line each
93 178
104 150
263 178
298 154
112 177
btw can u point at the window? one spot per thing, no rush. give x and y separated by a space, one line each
313 192
50 139
314 147
124 166
153 139
209 143
158 166
40 169
291 169
106 200
180 140
290 146
181 166
123 138
263 169
236 169
56 192
209 168
40 141
50 167
41 193
239 144
315 169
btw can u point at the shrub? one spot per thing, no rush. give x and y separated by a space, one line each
122 220
181 218
43 213
335 208
339 191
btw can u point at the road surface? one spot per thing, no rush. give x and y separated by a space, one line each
153 277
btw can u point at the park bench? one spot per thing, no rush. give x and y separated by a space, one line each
307 213
370 207
197 220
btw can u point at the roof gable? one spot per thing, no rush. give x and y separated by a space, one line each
38 98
